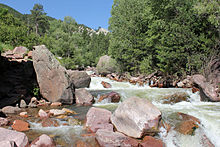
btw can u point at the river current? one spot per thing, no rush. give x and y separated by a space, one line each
207 112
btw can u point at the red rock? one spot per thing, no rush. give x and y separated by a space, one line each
188 124
106 84
43 141
30 54
80 143
149 141
53 80
42 114
185 117
194 90
83 97
97 118
108 138
47 122
135 117
23 114
113 97
20 50
3 121
18 56
56 104
20 125
19 138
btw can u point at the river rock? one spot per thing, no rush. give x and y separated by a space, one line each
188 124
106 84
98 118
20 125
20 51
42 114
136 117
52 78
207 90
8 144
24 114
23 104
3 121
73 122
10 110
19 138
175 98
33 103
108 138
150 141
83 97
43 141
112 97
56 104
47 122
80 78
107 65
30 54
56 112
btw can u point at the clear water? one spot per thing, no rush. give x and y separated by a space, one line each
207 112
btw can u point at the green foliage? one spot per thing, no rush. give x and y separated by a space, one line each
36 91
12 11
175 37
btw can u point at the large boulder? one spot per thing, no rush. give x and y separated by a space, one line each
80 78
19 138
107 65
53 80
98 118
83 97
136 117
208 90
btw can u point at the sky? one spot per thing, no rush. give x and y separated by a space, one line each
92 13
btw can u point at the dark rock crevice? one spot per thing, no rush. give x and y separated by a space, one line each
17 81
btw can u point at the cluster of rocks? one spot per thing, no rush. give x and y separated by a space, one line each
19 54
136 122
17 121
21 76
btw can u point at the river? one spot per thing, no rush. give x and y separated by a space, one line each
207 112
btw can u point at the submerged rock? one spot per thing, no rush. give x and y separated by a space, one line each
83 97
98 118
43 141
175 98
80 78
136 117
150 141
112 97
52 78
188 124
106 84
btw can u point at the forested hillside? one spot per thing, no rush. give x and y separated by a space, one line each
76 45
177 37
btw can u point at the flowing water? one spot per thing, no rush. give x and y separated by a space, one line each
207 112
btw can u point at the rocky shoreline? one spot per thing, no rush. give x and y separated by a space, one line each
136 122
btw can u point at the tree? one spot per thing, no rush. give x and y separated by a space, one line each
39 19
